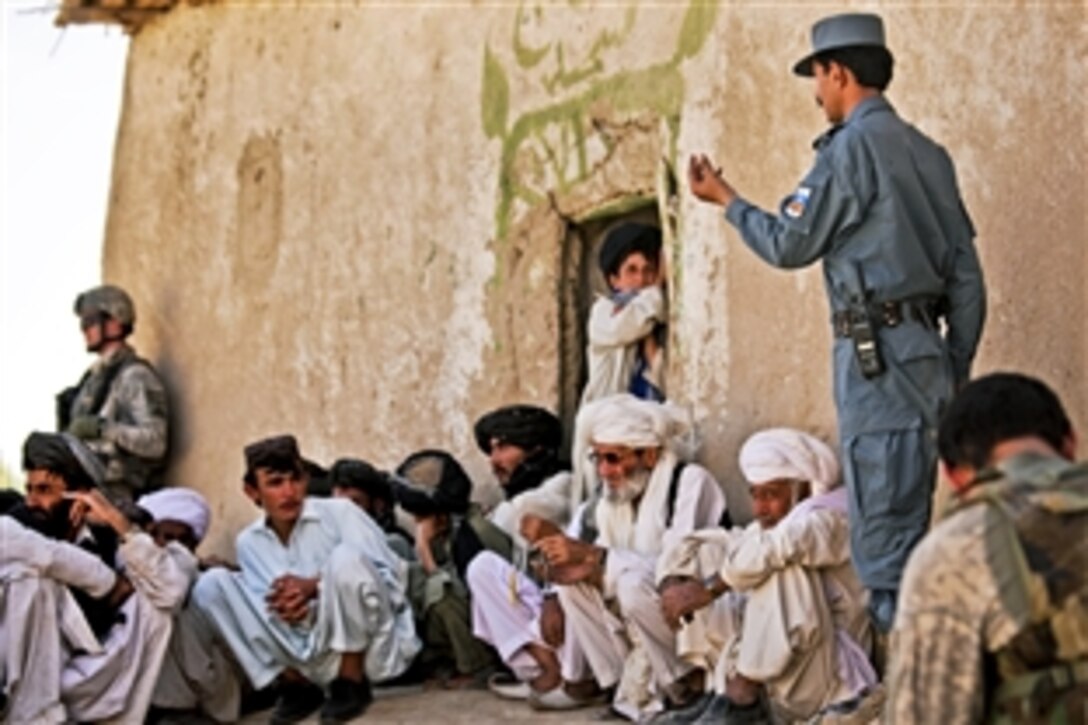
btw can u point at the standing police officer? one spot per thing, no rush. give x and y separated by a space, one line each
882 209
119 407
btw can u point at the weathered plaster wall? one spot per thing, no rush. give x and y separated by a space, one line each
346 222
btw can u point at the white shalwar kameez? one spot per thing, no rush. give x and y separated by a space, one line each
622 628
361 604
794 618
197 672
45 633
506 604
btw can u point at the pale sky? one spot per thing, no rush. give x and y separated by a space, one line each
60 91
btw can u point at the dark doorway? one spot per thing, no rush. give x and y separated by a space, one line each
580 282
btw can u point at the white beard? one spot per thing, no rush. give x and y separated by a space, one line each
632 487
621 525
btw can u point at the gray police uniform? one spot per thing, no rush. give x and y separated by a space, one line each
882 209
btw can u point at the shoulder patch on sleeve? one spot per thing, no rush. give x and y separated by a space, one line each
797 202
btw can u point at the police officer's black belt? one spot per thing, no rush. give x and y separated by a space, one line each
889 314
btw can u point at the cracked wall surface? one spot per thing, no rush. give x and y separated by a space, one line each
348 222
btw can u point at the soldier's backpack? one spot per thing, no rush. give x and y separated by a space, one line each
1042 672
67 397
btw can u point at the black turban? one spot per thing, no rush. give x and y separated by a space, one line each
360 475
66 456
525 426
624 240
432 482
279 453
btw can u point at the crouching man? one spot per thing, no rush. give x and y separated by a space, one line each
86 599
649 499
522 443
320 599
198 676
775 607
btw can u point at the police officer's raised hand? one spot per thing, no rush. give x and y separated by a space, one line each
706 182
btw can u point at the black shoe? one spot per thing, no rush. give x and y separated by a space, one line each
686 714
259 700
171 716
347 699
296 702
722 710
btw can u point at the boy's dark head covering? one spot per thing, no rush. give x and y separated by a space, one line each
432 482
66 456
319 484
625 239
278 453
525 426
360 475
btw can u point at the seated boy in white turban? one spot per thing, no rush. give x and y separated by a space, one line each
198 674
775 606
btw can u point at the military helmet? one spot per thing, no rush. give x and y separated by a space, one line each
107 299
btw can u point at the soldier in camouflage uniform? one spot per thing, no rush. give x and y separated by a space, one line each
993 614
119 408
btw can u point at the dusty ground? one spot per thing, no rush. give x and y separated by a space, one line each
413 705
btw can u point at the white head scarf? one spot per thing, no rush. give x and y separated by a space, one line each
624 420
784 453
178 504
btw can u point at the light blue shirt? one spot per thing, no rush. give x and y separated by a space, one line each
361 602
322 525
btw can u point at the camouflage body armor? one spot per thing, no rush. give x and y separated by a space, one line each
1042 672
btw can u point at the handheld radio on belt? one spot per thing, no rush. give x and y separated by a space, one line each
863 332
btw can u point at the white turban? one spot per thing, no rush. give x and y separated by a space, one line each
178 504
624 420
784 453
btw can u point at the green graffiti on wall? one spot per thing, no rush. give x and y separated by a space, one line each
548 148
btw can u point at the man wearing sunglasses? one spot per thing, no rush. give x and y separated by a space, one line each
119 407
605 568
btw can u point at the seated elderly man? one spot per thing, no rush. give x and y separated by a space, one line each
86 599
522 443
649 500
781 608
198 675
320 599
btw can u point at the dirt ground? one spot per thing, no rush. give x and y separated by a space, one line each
411 705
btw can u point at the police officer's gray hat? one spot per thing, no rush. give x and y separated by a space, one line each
842 31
